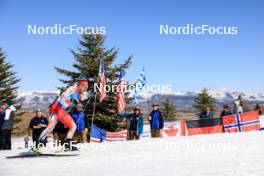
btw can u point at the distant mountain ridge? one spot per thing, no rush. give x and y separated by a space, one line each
183 100
36 99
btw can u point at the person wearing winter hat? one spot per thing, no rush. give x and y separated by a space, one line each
7 126
38 124
225 111
9 102
135 123
59 111
156 121
206 113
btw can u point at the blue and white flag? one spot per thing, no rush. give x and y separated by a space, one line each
102 80
140 83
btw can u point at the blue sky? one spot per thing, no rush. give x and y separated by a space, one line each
184 61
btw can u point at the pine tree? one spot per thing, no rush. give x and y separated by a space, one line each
8 80
86 63
8 85
245 105
168 109
204 100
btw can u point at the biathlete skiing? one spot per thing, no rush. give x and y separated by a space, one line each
61 106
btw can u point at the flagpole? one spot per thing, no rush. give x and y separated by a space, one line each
94 106
125 103
95 97
148 95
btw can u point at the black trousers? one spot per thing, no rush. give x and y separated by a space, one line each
5 140
35 137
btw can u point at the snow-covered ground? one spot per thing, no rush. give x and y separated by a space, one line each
205 155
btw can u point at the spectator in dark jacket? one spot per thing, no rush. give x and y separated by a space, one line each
206 113
259 108
135 123
2 116
38 124
7 126
156 121
225 111
81 121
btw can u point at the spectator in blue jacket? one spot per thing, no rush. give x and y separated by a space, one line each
81 121
135 123
206 113
156 121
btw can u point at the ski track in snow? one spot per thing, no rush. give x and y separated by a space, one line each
203 155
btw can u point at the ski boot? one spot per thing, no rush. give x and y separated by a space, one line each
36 151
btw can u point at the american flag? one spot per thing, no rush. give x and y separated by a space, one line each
100 135
120 96
102 80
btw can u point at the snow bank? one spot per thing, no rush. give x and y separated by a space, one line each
219 154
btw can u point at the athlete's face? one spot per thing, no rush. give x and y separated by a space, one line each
84 86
